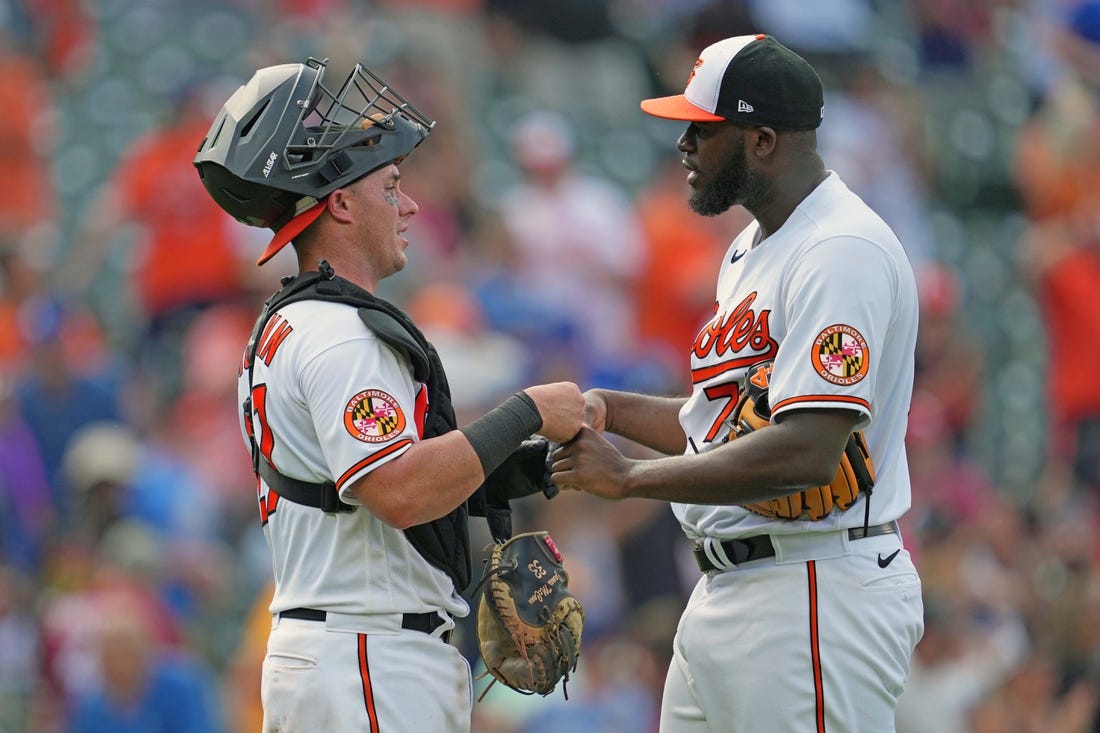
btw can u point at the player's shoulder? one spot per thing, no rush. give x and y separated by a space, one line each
836 219
321 324
836 210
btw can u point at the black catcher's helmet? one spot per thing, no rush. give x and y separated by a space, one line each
284 141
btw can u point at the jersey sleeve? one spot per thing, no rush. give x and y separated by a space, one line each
364 406
840 302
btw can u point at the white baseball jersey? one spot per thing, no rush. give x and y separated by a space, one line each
331 402
832 298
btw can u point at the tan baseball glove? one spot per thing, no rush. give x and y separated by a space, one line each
855 474
528 623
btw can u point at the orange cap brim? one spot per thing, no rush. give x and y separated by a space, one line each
290 230
677 107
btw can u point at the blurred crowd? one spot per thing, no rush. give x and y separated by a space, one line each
553 242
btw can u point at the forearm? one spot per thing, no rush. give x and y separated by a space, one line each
436 475
645 419
762 465
429 480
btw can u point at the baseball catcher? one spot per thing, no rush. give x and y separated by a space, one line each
855 474
528 623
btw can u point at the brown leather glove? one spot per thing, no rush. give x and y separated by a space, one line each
855 474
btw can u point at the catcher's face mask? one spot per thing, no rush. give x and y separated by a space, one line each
284 141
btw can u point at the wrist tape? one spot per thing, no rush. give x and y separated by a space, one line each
496 434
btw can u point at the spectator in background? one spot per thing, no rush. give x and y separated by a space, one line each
245 666
1031 701
187 256
143 686
483 366
614 695
821 28
98 468
200 432
27 510
949 360
872 142
55 397
63 33
85 586
950 491
21 280
1080 45
113 474
26 139
948 32
670 296
958 661
1068 590
19 651
549 335
1057 173
578 240
552 54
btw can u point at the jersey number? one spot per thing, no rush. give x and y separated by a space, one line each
728 392
266 442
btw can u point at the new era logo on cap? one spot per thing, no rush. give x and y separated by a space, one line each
786 91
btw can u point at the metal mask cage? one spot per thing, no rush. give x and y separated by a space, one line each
362 102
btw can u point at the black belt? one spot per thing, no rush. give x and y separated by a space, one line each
426 622
760 546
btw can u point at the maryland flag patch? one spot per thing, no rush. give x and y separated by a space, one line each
840 355
373 416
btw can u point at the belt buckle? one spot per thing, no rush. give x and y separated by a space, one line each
743 550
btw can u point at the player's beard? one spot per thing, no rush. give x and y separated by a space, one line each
734 184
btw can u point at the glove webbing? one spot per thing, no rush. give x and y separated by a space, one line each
569 644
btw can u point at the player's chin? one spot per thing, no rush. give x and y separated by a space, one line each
399 261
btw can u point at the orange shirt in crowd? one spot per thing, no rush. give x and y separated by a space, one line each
189 254
24 143
675 291
1068 292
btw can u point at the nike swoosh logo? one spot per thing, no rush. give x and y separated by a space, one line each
737 255
884 561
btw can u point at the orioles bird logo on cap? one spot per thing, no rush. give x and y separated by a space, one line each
698 63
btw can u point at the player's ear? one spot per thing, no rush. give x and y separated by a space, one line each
761 141
338 204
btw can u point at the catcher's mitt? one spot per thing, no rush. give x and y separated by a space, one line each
528 623
855 473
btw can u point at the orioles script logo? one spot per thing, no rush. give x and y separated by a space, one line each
742 328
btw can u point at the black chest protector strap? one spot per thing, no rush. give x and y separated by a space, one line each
444 542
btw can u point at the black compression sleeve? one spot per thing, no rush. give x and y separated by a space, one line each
499 432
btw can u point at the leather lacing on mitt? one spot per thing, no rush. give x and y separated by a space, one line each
528 622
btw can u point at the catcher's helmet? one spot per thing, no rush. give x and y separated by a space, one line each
284 141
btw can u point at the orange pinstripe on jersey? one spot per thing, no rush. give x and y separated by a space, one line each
709 372
372 458
368 692
820 398
815 649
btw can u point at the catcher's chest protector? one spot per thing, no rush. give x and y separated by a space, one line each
444 542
